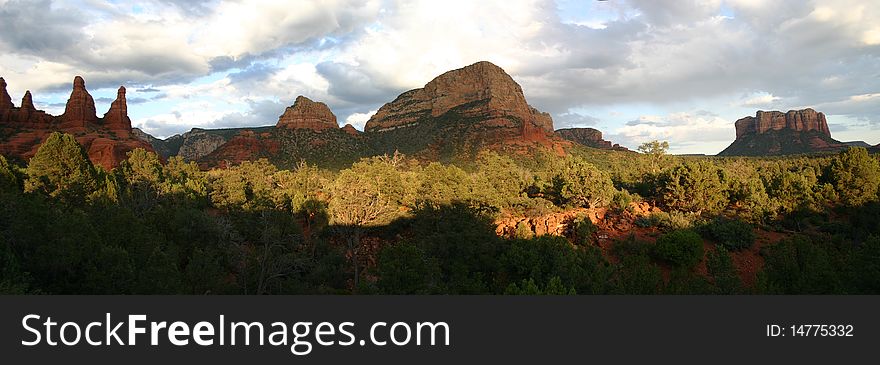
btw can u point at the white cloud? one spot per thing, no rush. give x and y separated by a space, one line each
359 120
356 55
760 100
687 132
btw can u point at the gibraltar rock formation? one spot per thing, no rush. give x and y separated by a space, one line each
777 133
107 140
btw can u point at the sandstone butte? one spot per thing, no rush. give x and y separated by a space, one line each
307 114
590 137
107 139
482 92
795 120
778 133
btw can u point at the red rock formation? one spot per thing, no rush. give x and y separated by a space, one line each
28 115
80 109
777 133
554 224
246 146
796 120
348 128
307 114
107 143
116 119
482 91
588 137
5 99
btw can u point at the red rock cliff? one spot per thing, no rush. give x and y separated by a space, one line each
796 120
107 141
482 90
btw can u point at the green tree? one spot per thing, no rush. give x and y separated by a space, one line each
855 176
7 175
693 187
721 270
404 268
368 194
656 150
61 169
580 183
681 248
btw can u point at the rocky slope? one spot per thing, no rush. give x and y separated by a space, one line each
484 96
455 115
107 139
777 133
589 137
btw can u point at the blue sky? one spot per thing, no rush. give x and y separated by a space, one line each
638 70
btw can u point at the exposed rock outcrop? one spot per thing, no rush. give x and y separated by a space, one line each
246 146
589 137
198 143
554 224
80 109
5 99
348 128
482 93
116 118
107 141
796 120
307 114
777 133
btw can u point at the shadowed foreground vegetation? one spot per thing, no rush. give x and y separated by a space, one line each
395 225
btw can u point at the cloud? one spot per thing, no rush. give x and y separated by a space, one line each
642 57
572 120
687 132
359 120
760 100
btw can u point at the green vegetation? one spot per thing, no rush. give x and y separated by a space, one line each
682 248
393 224
732 234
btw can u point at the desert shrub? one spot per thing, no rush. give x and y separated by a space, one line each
583 229
800 265
855 176
622 199
686 282
637 275
681 248
529 287
405 269
722 272
693 187
579 183
523 231
730 233
670 220
630 247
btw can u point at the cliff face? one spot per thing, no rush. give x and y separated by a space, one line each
307 114
589 137
795 120
776 133
107 139
481 92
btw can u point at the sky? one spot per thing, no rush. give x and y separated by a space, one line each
638 70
